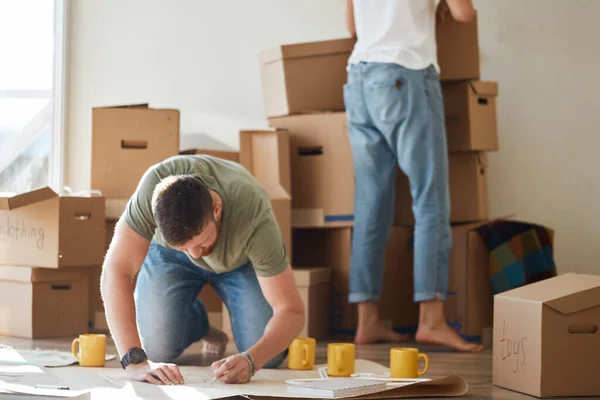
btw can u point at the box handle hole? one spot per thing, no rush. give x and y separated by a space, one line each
310 151
61 287
82 216
134 144
482 100
583 329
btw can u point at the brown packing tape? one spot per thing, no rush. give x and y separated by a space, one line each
448 386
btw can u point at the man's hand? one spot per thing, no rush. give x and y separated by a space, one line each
234 369
156 373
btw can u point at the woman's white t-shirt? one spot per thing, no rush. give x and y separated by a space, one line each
395 31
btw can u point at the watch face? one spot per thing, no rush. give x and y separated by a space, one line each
137 356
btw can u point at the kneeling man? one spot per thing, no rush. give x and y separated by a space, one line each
197 220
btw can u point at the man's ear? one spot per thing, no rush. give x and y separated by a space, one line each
217 210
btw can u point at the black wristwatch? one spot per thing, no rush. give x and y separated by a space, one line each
133 356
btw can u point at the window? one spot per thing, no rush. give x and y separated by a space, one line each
32 68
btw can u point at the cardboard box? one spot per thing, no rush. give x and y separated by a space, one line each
457 50
43 303
546 339
314 286
333 247
468 190
126 141
305 77
470 108
322 170
225 155
42 229
266 154
469 301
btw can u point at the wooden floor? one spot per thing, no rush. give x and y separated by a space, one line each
475 368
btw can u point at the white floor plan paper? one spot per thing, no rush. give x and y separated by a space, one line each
271 384
40 358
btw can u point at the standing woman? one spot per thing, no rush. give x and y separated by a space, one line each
396 117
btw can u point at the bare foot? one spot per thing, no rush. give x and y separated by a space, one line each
371 329
433 329
214 343
446 336
375 333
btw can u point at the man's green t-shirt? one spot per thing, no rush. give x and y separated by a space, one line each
249 230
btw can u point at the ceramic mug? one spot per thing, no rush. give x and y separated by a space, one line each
340 359
404 363
92 350
301 354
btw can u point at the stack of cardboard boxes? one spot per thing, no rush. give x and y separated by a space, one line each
48 246
126 141
303 92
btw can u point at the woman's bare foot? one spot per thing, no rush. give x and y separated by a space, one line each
371 330
214 343
444 335
433 329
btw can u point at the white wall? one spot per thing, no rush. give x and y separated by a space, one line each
201 57
546 58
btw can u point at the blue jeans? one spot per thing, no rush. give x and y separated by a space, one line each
396 117
170 317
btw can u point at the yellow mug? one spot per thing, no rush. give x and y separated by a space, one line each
92 350
404 363
340 359
302 354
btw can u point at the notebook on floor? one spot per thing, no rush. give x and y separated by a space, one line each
337 388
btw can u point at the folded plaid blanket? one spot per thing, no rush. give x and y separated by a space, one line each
520 253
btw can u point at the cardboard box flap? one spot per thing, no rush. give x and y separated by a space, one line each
467 227
311 49
10 201
312 276
276 191
484 88
580 300
561 292
141 105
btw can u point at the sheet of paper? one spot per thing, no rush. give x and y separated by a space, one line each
40 358
11 388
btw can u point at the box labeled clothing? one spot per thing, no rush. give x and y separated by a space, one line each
305 77
322 171
43 303
546 339
126 141
266 154
222 154
333 247
470 108
469 301
457 49
44 229
314 286
468 190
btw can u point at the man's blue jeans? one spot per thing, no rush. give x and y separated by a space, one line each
396 117
170 317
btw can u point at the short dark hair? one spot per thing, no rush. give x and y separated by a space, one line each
182 207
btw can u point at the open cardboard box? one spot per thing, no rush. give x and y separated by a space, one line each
470 114
40 228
